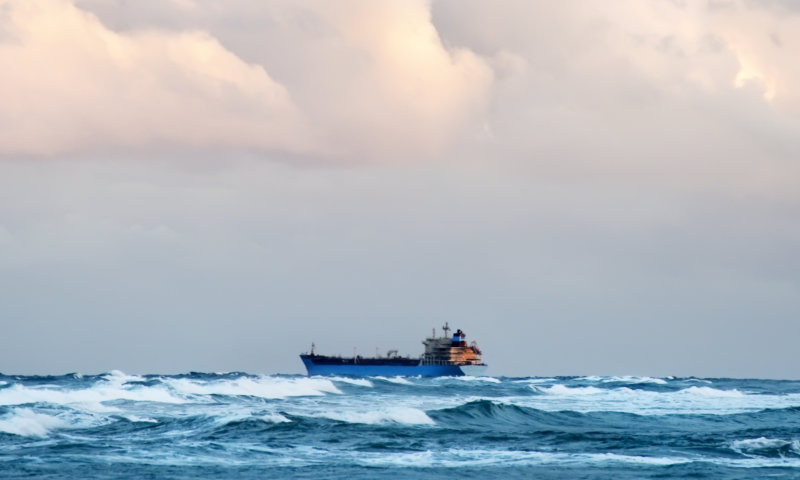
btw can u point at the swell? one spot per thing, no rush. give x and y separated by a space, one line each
498 416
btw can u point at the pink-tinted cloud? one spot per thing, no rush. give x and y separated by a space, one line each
71 84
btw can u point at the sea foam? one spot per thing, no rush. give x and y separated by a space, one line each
26 422
409 416
560 389
101 392
712 392
398 380
459 458
264 387
624 379
468 378
361 382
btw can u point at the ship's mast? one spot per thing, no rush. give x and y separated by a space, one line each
446 329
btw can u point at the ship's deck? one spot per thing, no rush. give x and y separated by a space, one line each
397 361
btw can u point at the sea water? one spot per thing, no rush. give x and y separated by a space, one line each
235 425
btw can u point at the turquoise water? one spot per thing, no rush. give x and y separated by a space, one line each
236 425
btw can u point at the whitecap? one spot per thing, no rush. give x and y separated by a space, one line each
712 392
352 381
456 458
115 376
25 422
99 392
560 389
400 380
94 407
629 379
264 387
274 418
755 444
134 418
406 415
535 380
468 378
623 379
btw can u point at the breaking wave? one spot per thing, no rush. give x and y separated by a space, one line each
361 382
408 416
400 380
25 422
559 389
468 378
237 425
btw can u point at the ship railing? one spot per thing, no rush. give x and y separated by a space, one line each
430 361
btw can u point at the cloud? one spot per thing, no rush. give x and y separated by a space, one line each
675 93
380 84
71 85
361 81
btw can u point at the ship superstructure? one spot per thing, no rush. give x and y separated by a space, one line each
444 356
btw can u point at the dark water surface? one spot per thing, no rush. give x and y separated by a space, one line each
243 426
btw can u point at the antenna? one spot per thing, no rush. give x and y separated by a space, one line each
355 357
312 348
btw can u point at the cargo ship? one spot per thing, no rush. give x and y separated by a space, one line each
444 356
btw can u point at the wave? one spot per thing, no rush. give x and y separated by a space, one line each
461 458
134 418
560 389
352 381
26 422
274 418
485 458
405 415
399 380
624 379
712 392
486 413
264 387
101 392
115 376
118 386
766 447
535 380
468 378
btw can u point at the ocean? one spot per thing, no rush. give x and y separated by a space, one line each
235 425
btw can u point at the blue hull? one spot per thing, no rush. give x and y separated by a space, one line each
395 370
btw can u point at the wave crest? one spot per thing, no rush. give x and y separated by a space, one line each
406 415
26 422
559 389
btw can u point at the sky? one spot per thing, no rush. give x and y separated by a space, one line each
583 187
